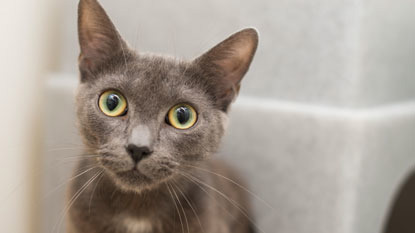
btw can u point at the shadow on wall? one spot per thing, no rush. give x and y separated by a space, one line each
401 217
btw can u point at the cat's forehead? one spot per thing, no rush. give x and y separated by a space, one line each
153 81
157 70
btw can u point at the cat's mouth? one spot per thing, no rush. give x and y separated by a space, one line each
137 176
132 179
133 173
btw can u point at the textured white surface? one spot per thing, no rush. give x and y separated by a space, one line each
323 169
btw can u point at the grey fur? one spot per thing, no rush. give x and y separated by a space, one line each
149 196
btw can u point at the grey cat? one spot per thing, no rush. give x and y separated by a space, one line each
150 125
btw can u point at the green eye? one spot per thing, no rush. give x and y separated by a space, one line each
112 103
182 116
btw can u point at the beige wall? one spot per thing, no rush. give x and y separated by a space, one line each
26 43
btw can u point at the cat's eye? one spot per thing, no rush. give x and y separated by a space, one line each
112 103
182 116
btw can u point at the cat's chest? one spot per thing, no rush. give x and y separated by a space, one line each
130 224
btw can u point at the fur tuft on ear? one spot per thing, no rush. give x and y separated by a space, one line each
98 38
227 63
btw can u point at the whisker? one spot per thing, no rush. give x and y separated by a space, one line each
76 158
208 194
51 143
113 193
89 168
81 156
181 206
64 148
235 183
93 191
177 208
68 180
38 172
240 208
216 190
73 199
191 206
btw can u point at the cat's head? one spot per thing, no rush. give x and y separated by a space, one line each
147 117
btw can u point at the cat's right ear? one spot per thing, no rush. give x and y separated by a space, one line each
98 38
226 64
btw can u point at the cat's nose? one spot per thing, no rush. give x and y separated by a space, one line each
138 153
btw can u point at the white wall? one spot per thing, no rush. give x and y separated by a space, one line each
26 45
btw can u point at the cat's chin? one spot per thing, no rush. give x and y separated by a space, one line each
133 180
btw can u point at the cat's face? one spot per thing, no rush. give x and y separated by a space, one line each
147 117
150 88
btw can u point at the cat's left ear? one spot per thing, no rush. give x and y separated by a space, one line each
226 64
98 38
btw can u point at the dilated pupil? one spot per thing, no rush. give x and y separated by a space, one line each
112 101
183 115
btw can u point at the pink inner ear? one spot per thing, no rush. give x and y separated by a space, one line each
97 41
229 61
237 62
232 70
98 37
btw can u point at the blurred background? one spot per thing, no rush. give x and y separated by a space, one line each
333 85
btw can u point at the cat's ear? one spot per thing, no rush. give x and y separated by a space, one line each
226 64
98 38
